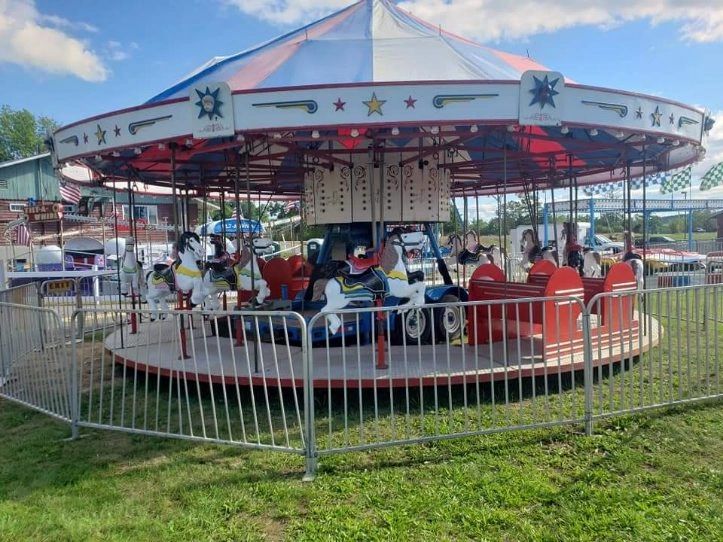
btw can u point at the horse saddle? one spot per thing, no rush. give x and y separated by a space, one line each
359 265
221 273
162 273
466 257
216 267
415 276
372 280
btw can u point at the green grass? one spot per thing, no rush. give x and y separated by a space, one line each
651 477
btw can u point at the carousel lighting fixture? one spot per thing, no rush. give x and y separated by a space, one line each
474 129
315 134
161 146
240 138
620 134
593 132
661 140
564 130
115 154
511 128
434 130
98 157
277 135
189 143
354 132
137 150
675 142
395 131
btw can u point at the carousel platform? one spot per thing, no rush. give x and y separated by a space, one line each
156 349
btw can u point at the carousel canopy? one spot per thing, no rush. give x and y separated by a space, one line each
371 88
368 42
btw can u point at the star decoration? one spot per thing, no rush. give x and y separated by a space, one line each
116 131
671 118
85 138
655 116
209 104
339 105
100 134
410 102
544 92
639 113
374 105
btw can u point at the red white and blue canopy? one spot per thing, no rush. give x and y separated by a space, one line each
374 82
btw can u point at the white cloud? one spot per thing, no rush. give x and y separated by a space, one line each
28 38
490 20
116 51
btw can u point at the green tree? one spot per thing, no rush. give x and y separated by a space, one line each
22 134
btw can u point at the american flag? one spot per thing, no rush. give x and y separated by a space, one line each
291 205
22 236
69 193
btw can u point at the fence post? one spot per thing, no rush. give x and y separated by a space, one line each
310 452
587 369
74 376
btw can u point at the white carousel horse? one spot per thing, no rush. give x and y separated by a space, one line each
532 252
182 275
472 250
132 279
219 278
591 264
389 278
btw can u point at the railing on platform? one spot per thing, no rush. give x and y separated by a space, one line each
273 381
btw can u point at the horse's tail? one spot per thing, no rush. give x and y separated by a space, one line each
319 287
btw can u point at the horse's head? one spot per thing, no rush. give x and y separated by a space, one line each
190 243
260 245
528 240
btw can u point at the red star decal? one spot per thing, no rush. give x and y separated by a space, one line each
410 102
339 105
85 138
116 131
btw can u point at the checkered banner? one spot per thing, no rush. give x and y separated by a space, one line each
713 178
677 182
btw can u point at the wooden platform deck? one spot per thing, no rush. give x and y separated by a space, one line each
156 349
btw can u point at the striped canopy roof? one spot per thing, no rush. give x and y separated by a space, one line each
371 41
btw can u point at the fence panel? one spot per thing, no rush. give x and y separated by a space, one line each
227 377
35 361
442 371
26 294
669 355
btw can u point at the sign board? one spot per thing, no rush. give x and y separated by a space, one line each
58 287
44 212
211 110
542 97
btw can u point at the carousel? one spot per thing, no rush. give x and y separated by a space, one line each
376 121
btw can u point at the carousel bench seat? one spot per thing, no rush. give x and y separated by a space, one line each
616 311
553 320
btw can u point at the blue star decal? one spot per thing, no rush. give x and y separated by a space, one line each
209 104
544 92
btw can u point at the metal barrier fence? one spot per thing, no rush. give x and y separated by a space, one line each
275 381
192 375
35 368
26 294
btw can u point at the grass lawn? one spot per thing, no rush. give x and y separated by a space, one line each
651 477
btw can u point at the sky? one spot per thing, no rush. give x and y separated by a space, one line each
72 59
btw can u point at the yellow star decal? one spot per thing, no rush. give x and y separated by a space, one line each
374 105
655 116
100 134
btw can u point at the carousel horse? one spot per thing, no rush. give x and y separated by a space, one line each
219 277
532 252
471 251
572 253
591 264
132 279
388 278
182 275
